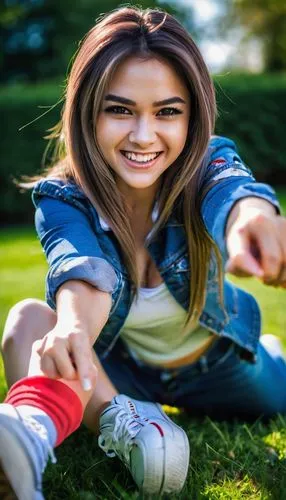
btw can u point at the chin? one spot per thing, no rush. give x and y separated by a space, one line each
141 185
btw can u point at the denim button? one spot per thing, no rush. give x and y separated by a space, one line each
168 380
203 364
172 385
165 376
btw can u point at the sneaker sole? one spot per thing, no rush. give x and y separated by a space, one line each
16 477
172 462
177 458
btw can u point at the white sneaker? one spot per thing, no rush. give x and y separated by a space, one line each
24 452
273 344
155 449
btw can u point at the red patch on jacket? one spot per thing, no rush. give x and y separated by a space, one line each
219 161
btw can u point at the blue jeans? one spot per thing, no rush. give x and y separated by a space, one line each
220 384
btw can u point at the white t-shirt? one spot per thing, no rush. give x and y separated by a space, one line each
153 330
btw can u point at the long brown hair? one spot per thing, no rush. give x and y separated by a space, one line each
126 32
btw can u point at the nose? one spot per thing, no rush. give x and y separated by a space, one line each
143 133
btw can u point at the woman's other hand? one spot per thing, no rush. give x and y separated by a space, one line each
67 354
256 242
66 350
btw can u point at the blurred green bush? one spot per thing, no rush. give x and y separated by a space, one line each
251 111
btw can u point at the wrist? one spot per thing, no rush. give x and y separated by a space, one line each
82 308
257 203
244 206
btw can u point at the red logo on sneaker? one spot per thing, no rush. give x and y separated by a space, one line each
158 427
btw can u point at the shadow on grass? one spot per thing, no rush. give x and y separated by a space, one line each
229 460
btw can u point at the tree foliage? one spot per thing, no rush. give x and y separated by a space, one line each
39 37
265 20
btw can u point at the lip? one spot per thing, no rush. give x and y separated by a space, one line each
140 166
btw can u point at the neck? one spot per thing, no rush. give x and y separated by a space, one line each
139 202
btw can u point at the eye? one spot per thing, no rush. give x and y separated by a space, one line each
118 110
169 112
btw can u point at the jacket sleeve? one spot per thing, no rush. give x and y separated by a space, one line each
226 181
71 248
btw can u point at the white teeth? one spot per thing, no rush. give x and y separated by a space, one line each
140 158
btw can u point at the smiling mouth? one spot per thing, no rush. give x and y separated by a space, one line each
140 158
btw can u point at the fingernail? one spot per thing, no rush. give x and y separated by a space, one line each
257 271
259 274
86 384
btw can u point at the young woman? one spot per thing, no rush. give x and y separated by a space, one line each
140 216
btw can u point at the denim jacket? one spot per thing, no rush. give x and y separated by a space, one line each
79 245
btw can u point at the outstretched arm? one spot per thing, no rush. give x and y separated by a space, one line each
79 285
229 191
66 350
256 241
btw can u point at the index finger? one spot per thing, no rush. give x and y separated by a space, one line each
81 353
242 259
270 251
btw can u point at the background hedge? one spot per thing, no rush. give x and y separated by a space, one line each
251 108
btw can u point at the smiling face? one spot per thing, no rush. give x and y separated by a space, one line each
143 122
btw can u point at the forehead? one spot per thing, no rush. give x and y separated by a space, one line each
138 79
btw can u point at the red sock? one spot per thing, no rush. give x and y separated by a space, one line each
55 398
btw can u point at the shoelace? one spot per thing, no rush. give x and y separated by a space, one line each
45 451
125 429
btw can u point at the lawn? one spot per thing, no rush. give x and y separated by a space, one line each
229 461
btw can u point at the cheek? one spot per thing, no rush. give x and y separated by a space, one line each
110 132
179 138
104 139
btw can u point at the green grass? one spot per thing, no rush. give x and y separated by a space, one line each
230 461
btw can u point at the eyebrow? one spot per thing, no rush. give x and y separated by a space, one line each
129 102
